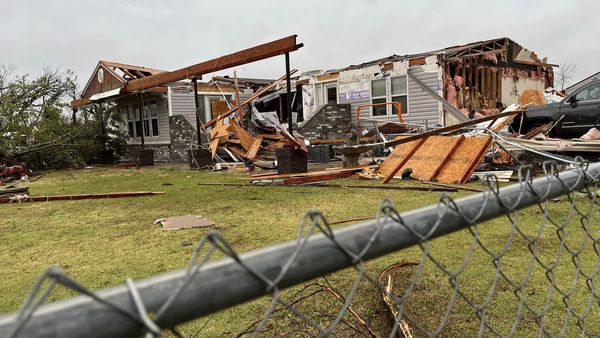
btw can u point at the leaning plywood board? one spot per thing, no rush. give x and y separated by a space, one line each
397 156
465 159
430 159
254 147
245 137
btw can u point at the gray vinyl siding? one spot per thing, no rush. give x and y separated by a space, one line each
182 103
421 106
164 136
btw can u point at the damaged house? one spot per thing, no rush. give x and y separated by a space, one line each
474 79
169 123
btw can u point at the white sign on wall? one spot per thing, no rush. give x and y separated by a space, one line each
354 90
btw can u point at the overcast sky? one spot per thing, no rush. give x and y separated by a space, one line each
174 34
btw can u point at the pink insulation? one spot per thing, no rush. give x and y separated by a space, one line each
458 81
491 56
592 134
451 94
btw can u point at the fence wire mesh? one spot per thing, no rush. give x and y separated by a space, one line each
485 265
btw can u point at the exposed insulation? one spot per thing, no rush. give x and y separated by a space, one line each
531 96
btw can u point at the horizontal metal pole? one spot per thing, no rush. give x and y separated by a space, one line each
224 283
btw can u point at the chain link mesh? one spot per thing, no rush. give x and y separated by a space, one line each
528 272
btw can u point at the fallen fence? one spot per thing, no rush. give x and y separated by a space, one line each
555 308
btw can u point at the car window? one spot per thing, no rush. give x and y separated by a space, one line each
589 93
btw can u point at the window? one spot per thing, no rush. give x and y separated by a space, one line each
378 95
589 93
130 122
393 89
399 90
154 117
138 123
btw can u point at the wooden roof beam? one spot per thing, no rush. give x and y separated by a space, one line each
260 52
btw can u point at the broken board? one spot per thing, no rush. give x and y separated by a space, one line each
465 159
446 159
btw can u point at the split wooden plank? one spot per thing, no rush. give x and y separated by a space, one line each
237 97
245 137
539 130
254 148
317 178
312 173
239 153
83 196
465 159
408 138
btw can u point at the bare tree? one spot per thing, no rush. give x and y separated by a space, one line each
566 72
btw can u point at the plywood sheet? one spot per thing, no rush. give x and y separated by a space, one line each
254 147
430 159
245 137
220 107
396 157
466 157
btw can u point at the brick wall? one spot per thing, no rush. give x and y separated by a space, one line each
328 122
182 136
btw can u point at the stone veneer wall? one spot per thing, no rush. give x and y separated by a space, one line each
182 133
328 122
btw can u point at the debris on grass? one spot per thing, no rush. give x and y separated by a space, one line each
27 198
184 222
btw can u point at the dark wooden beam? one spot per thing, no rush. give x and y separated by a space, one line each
260 52
449 128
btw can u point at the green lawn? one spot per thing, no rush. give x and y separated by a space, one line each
102 242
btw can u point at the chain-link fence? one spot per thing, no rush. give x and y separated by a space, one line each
520 260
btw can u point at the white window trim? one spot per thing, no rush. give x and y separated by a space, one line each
388 97
136 118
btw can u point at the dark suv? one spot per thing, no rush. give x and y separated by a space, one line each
581 111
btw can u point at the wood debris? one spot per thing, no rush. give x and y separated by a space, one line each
447 159
184 222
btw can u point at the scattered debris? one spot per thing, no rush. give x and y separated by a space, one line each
16 171
386 279
184 222
434 186
447 159
25 198
9 190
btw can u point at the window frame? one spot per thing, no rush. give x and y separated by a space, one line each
389 96
379 98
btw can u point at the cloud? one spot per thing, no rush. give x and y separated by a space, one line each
169 35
